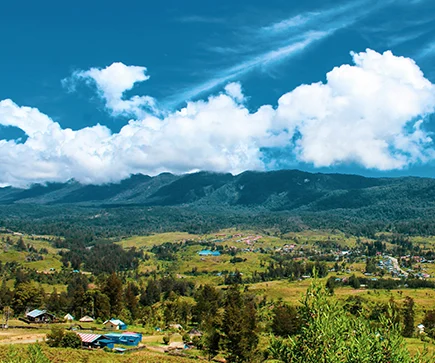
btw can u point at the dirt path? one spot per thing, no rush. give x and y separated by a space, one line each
156 348
23 339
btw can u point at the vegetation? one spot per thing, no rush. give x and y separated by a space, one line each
329 334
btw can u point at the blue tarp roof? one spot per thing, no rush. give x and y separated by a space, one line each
35 313
209 253
106 341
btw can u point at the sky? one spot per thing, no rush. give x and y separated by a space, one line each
99 90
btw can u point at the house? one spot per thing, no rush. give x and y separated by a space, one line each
115 324
126 338
86 319
68 317
95 341
105 343
39 316
209 253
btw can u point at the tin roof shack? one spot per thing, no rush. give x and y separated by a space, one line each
127 338
89 340
115 324
95 341
39 316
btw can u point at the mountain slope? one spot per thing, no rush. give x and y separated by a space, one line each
274 190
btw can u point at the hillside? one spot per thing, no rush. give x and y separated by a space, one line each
275 190
205 201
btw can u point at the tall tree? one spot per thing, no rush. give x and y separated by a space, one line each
408 317
113 290
286 320
239 326
131 302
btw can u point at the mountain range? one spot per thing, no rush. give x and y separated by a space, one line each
272 190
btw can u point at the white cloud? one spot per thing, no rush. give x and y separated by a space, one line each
368 113
234 90
371 113
112 82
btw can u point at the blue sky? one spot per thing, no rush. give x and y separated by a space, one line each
192 50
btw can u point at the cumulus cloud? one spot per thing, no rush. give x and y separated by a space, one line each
371 113
111 83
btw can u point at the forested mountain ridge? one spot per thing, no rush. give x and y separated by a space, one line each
276 190
205 201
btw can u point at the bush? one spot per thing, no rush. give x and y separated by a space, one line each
58 338
186 338
330 334
71 340
54 338
166 339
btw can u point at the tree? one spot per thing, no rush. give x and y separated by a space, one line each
429 323
285 321
151 294
207 305
370 265
5 295
354 282
131 302
71 340
113 290
330 335
54 338
53 303
408 317
210 342
26 295
239 326
7 314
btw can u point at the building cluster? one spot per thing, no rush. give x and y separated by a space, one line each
91 340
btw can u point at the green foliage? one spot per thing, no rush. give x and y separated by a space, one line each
429 323
330 335
286 320
239 326
54 338
113 289
408 317
26 295
166 339
34 355
70 340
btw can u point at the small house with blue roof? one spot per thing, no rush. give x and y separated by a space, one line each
126 338
209 253
115 324
39 316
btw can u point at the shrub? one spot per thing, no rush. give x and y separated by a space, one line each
166 339
71 340
330 334
54 338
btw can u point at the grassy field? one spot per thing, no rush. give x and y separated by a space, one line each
9 254
62 355
189 265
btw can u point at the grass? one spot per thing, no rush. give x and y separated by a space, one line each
155 239
65 355
9 254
